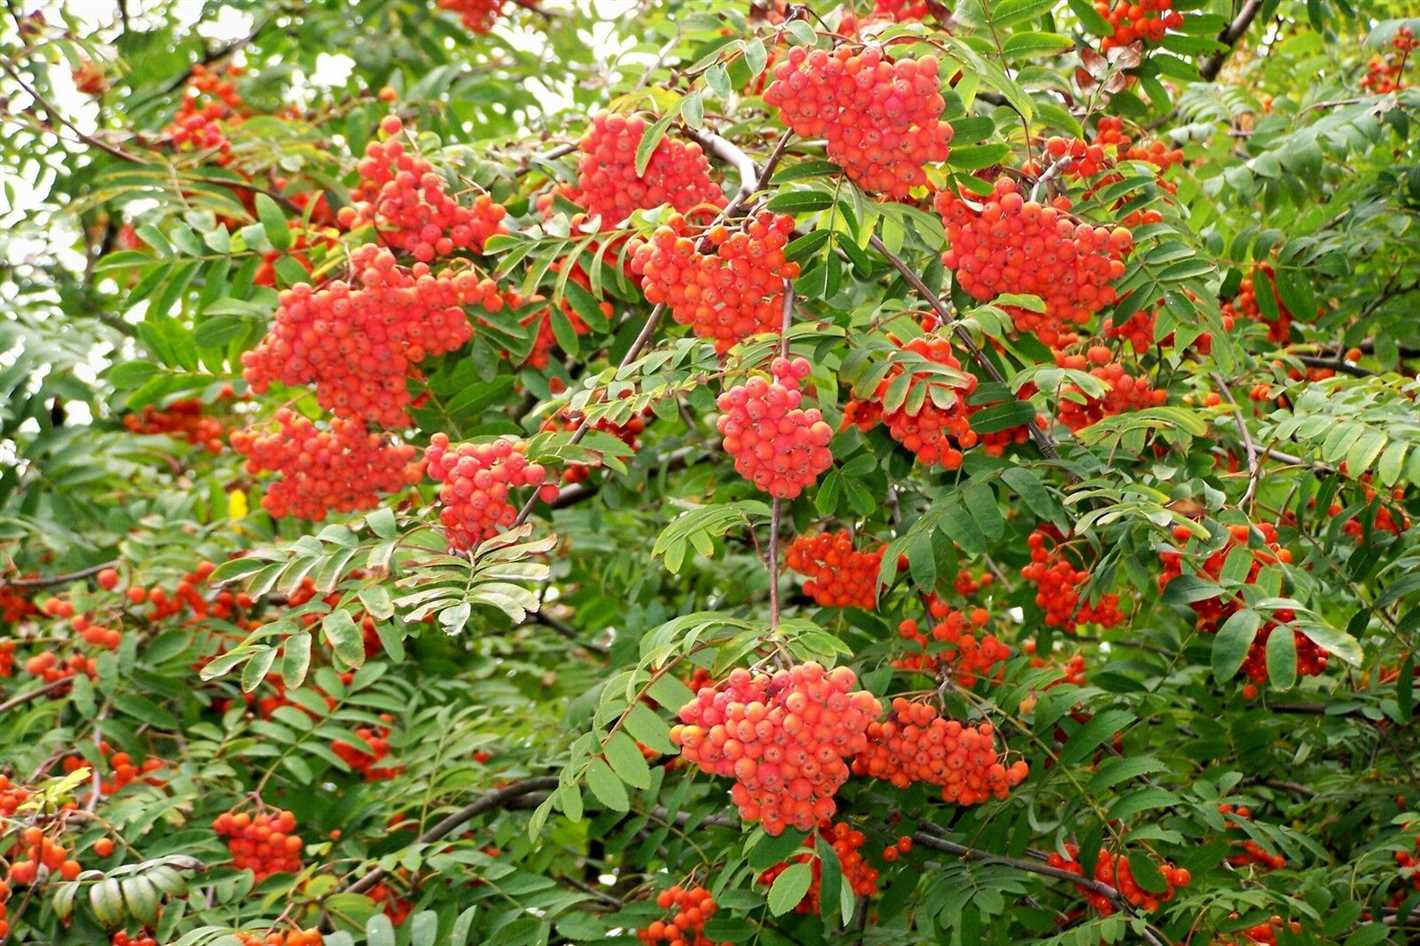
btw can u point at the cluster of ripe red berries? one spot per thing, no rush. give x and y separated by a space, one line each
1250 851
783 738
476 480
1113 870
1079 410
607 183
478 16
342 469
902 9
916 744
365 757
283 938
686 926
1406 861
777 445
48 667
122 938
933 419
183 419
1384 73
882 119
1263 934
33 851
846 842
403 197
265 844
1016 245
1245 305
358 343
725 295
1146 20
966 657
15 604
1072 671
122 769
208 101
839 575
1058 583
1213 611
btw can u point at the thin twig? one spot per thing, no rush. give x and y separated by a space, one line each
498 798
1254 468
1059 167
1229 37
567 631
20 699
43 582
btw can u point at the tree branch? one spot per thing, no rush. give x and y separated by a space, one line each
20 699
45 582
498 798
568 631
1254 469
1229 37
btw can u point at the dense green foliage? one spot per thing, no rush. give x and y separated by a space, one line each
1229 608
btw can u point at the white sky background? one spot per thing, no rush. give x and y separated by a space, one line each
99 18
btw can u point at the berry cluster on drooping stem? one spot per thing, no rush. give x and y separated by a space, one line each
1113 870
958 647
690 908
1124 392
783 738
343 468
915 743
476 480
1249 851
933 419
1245 304
777 445
183 419
839 575
677 173
265 843
1058 585
358 343
1142 21
882 118
846 842
1009 244
478 16
403 197
727 294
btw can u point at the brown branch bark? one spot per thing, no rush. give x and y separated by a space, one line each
1229 37
45 582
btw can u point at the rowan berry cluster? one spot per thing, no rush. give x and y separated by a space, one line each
882 118
902 9
1113 870
934 423
265 843
1058 583
344 468
1250 851
1072 671
777 445
403 197
692 906
310 937
1311 659
609 187
1144 21
476 481
122 938
1016 245
1212 612
1125 392
35 850
1384 73
1245 305
478 16
725 295
7 658
967 584
395 907
358 344
893 851
182 419
48 667
207 103
15 604
373 747
628 432
839 575
122 769
783 738
916 744
969 655
846 842
1408 863
1263 934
